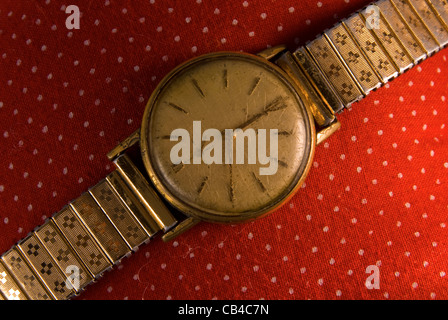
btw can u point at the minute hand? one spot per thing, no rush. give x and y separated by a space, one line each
275 105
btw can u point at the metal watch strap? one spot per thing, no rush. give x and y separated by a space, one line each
94 232
361 54
90 235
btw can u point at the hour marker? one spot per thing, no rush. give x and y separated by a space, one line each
283 164
255 85
231 185
169 137
202 186
196 85
260 184
284 133
175 106
226 78
177 167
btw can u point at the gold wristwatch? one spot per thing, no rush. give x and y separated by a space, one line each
203 149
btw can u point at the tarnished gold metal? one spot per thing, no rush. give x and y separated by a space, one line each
147 196
226 198
323 114
431 21
61 251
372 50
315 76
45 267
416 26
25 277
340 67
353 58
100 227
133 139
388 39
325 133
143 216
408 40
8 286
82 242
273 52
118 214
341 79
183 226
440 8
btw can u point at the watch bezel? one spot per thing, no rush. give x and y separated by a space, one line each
224 217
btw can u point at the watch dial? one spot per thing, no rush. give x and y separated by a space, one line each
227 137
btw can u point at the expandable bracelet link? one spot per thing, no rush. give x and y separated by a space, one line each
374 46
78 244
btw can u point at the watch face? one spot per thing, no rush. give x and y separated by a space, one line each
226 138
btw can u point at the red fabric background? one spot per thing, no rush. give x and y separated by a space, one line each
376 195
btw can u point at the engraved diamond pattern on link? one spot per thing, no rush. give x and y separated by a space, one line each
118 214
371 48
100 227
407 38
61 251
392 46
432 22
45 267
81 241
417 27
311 69
8 287
441 7
25 276
332 67
354 58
